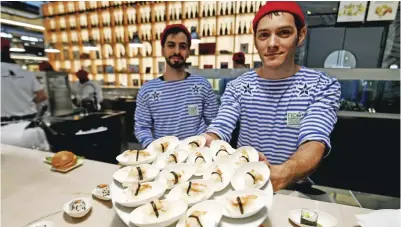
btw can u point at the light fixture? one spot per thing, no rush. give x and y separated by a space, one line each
29 57
194 36
51 49
22 24
136 41
17 47
6 35
308 12
89 45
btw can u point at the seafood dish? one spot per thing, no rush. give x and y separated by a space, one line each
174 178
156 208
136 154
217 175
252 178
137 189
194 219
242 202
137 173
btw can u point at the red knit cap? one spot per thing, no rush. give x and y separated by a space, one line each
82 74
276 6
179 26
5 44
239 56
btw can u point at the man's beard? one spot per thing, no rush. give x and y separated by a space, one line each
175 65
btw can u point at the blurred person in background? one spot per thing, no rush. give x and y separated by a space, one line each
86 90
239 60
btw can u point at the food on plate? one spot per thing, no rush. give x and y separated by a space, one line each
164 146
244 157
172 158
195 144
252 178
103 189
64 160
136 189
194 220
77 205
309 218
136 153
195 188
156 208
243 201
199 160
173 178
383 10
138 173
222 151
217 175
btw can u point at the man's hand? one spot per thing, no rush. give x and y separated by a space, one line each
279 175
209 138
263 158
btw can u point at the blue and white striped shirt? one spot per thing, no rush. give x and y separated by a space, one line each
277 116
174 108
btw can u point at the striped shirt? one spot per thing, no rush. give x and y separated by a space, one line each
277 116
174 108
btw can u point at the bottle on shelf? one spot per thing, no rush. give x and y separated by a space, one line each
171 14
251 10
232 8
179 13
208 11
244 28
221 8
204 31
164 16
226 29
250 27
231 28
260 5
221 29
186 13
239 27
196 11
246 7
208 30
213 12
204 11
227 8
240 7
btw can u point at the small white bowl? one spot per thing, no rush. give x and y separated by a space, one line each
126 198
102 193
122 175
143 217
226 170
80 210
180 192
324 219
244 155
155 146
162 160
216 146
210 219
239 180
186 170
129 160
43 224
250 209
200 166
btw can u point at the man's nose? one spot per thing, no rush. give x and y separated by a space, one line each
273 42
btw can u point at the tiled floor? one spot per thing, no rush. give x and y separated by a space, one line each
346 197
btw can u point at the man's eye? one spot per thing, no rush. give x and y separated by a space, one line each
284 33
263 35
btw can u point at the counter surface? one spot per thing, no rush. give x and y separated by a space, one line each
32 192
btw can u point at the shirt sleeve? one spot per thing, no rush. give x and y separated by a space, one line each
321 115
36 86
228 114
143 121
210 106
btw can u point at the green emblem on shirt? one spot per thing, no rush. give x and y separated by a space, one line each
193 110
294 119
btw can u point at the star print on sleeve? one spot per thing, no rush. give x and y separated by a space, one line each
247 89
195 89
155 95
303 90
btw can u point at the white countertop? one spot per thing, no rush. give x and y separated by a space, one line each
31 192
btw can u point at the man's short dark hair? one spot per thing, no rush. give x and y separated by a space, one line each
175 31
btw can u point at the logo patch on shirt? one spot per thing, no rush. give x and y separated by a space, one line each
196 89
294 119
247 89
193 110
155 95
303 90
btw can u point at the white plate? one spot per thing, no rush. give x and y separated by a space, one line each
210 219
215 147
185 143
80 161
238 181
227 171
251 209
187 170
206 154
141 217
180 192
254 221
324 219
131 160
121 175
156 192
154 147
238 160
97 192
88 206
161 161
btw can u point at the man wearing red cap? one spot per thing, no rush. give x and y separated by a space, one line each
86 89
177 103
20 90
285 111
239 61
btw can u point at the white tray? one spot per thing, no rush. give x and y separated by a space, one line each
253 221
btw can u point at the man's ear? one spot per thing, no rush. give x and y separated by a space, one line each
302 36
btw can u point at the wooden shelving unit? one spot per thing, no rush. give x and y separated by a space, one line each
111 25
